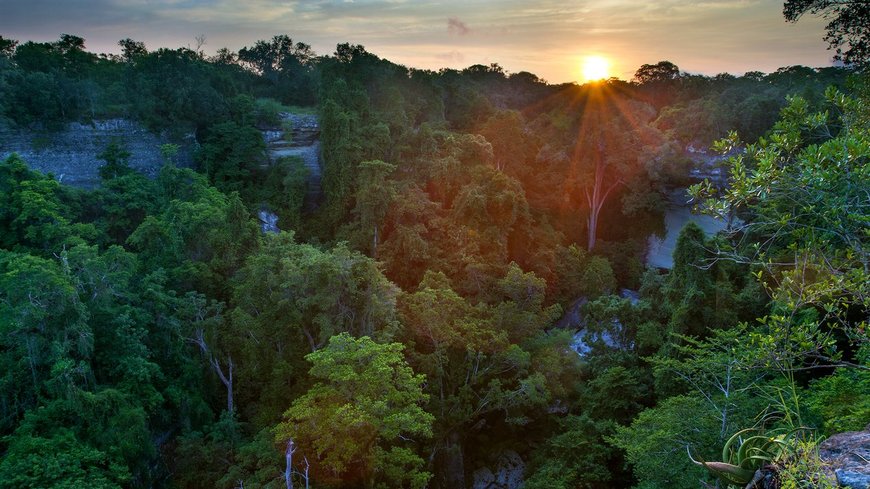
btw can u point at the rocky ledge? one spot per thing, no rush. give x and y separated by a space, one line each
848 455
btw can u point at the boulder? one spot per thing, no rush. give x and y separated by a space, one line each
268 221
508 473
848 455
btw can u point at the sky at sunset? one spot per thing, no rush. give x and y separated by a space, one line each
549 38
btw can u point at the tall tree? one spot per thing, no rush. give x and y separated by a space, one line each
356 423
474 371
375 192
613 134
7 46
663 71
289 299
131 49
280 54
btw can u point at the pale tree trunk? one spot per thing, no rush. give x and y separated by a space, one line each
597 197
305 474
226 378
288 467
725 389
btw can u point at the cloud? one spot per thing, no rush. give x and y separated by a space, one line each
456 26
452 57
546 37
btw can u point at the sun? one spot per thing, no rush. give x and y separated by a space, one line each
595 68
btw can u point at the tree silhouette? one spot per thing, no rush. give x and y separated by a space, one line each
849 25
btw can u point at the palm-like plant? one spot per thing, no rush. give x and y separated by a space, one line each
741 458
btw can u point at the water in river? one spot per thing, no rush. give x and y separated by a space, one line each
660 250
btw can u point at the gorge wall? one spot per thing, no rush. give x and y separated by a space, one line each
71 154
299 137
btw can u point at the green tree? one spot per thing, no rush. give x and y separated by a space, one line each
805 228
410 243
375 192
200 237
658 82
656 440
117 160
58 461
574 458
841 400
288 300
697 122
230 155
608 150
284 189
7 46
125 201
511 144
474 372
35 212
689 292
131 49
43 324
355 422
279 60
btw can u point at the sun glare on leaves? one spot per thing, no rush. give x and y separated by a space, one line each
595 68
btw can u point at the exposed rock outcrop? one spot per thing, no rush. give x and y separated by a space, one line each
71 154
848 455
507 473
299 137
268 221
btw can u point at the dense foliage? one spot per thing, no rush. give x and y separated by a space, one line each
407 332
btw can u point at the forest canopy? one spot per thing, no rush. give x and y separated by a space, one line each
467 290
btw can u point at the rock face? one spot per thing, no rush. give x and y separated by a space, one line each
848 455
573 319
268 221
71 154
508 473
303 141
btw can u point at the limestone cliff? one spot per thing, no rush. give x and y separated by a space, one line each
71 154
